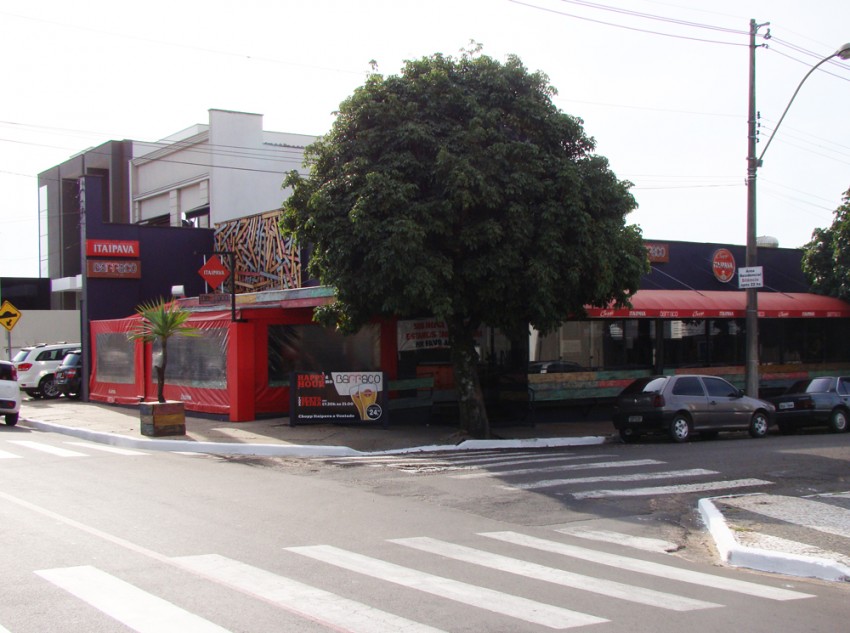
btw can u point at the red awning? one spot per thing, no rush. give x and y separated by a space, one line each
714 304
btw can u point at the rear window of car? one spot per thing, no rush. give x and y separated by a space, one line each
816 385
71 359
6 371
688 386
21 355
646 385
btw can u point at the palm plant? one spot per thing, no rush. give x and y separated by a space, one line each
160 321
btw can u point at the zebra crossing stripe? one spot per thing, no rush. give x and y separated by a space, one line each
133 607
669 474
47 448
671 490
606 536
589 466
648 567
309 602
107 449
480 597
609 588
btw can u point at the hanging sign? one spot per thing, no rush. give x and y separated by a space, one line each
214 272
332 396
751 277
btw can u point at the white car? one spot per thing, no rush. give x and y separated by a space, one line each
36 366
10 395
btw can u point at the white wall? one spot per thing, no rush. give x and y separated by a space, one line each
232 163
41 326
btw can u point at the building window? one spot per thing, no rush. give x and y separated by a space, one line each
198 219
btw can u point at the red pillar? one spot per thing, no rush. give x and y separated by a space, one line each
241 385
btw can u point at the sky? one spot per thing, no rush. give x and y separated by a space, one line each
662 86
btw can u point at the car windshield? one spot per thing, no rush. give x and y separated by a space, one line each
646 385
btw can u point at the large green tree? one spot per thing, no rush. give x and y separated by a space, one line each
826 258
458 190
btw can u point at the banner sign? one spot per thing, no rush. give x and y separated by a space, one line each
418 334
334 396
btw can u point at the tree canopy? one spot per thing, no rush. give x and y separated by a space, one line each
458 190
826 258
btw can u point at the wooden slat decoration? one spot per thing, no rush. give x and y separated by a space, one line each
264 259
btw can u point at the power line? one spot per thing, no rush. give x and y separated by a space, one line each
632 28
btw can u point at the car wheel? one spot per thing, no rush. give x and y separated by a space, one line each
680 428
758 424
11 419
629 436
838 421
48 388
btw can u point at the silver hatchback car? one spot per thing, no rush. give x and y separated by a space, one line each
685 404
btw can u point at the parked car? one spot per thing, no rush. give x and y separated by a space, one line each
69 374
10 394
36 367
823 401
685 404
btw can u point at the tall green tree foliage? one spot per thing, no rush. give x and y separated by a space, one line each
826 258
458 189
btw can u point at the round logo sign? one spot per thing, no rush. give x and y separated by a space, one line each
723 265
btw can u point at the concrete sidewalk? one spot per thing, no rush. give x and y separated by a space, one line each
120 425
740 539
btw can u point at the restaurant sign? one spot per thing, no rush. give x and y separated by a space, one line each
114 268
329 397
112 248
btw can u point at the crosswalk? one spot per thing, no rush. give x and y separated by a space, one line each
19 449
562 474
674 588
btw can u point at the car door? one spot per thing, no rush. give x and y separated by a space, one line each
727 408
688 394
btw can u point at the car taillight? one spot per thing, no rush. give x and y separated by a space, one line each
14 373
70 373
658 401
806 403
24 366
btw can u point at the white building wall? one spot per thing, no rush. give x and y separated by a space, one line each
42 326
232 164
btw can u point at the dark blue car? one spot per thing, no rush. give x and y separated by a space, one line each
823 401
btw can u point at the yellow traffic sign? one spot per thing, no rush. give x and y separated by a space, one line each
9 315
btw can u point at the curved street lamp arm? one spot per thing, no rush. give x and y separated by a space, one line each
843 53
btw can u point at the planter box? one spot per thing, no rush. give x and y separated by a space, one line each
160 419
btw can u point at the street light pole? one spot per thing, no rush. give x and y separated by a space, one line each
754 161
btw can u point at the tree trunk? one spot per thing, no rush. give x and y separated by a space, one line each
160 373
473 414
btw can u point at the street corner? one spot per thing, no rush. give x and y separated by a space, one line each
795 536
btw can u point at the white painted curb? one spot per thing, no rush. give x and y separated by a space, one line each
294 450
737 555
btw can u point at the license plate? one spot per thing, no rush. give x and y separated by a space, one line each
635 418
786 405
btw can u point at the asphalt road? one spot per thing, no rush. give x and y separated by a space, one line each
99 540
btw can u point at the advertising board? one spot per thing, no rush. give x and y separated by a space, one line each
331 397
